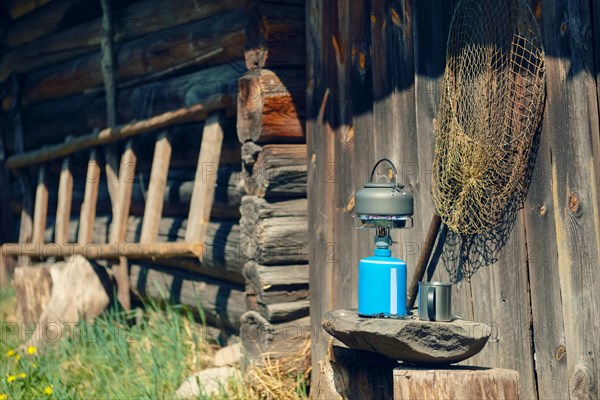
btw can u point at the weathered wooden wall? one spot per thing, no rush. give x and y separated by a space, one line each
381 63
168 55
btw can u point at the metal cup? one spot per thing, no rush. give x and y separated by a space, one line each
435 301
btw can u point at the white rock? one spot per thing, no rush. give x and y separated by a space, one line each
211 381
229 355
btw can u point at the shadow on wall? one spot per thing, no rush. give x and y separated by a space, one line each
463 255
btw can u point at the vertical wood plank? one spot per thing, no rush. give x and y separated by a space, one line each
156 189
40 211
63 209
206 179
395 122
500 297
340 150
320 152
119 223
542 259
90 200
573 129
353 123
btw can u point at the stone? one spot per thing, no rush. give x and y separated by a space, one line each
228 355
80 290
409 340
212 381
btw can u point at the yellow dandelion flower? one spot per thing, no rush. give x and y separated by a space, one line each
18 357
10 353
31 350
48 390
11 378
3 396
22 375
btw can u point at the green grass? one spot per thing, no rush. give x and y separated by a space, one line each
106 359
113 358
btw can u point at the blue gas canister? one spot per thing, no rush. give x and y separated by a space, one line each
381 285
383 205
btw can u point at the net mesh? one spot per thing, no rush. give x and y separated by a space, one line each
490 108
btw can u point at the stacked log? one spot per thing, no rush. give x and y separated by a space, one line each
274 224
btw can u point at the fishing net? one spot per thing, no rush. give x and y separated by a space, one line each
490 109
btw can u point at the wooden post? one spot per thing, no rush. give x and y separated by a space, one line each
119 224
40 212
156 190
90 199
205 180
352 374
455 383
63 209
108 67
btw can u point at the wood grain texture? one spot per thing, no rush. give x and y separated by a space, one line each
279 171
354 374
279 340
339 149
274 232
87 216
271 106
222 303
63 208
111 251
222 255
136 20
176 199
455 383
277 284
40 211
574 164
206 179
80 114
209 42
274 34
156 190
49 18
118 226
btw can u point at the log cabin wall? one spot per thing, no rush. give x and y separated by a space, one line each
382 63
167 55
274 210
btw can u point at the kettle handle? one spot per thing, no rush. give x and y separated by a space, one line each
393 169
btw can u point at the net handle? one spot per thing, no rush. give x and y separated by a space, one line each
393 169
